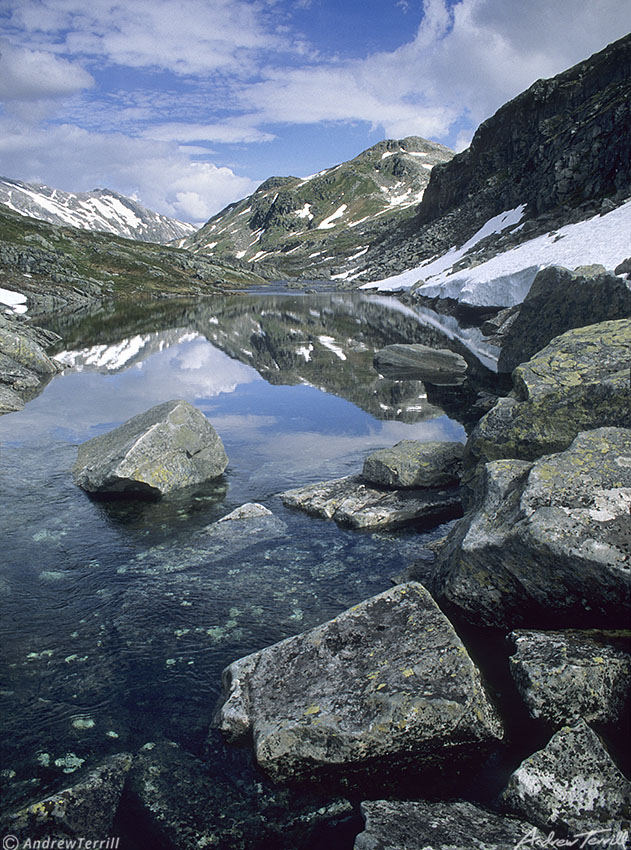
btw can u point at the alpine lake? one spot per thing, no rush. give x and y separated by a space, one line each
119 616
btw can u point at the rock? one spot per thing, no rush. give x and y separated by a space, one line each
412 463
547 543
85 809
579 381
25 351
434 365
385 684
572 784
393 825
10 401
565 675
250 510
166 448
624 267
558 301
350 501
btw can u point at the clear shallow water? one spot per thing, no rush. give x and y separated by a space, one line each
117 618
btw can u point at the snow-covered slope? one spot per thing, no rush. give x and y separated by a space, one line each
100 209
504 280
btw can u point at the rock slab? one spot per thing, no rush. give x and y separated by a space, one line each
412 463
414 360
168 447
382 685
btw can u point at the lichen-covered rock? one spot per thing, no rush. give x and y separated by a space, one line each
579 381
565 675
350 501
26 351
434 365
168 447
412 463
558 301
423 825
85 809
548 543
572 784
385 684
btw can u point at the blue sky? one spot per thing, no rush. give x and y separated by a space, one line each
188 104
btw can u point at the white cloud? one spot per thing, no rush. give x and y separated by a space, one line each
28 75
229 131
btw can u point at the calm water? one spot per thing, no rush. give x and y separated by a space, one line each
117 619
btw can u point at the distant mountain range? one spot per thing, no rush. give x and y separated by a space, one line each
100 210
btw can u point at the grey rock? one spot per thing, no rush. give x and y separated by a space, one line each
384 684
624 267
423 825
10 401
434 365
22 348
547 543
565 675
350 501
250 510
558 301
571 784
168 447
412 463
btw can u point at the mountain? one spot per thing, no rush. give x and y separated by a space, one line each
100 209
319 226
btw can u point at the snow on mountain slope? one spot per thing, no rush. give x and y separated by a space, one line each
100 209
505 279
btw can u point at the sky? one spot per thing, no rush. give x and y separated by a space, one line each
187 105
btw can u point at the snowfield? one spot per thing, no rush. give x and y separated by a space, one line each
505 280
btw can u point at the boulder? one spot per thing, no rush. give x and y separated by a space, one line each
558 301
423 825
565 675
572 784
10 401
548 543
21 347
85 809
434 365
350 501
166 448
412 463
579 381
251 510
384 685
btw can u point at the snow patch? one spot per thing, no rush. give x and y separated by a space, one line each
327 224
14 300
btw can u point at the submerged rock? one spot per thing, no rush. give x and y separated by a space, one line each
350 501
412 463
548 543
571 674
384 685
422 825
434 365
168 447
572 784
251 510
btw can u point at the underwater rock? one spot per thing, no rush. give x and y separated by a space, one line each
414 360
385 684
572 784
412 463
549 543
250 510
422 825
350 501
570 674
168 447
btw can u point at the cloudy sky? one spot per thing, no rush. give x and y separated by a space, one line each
188 104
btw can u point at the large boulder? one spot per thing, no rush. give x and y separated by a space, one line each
168 447
413 360
572 784
579 381
350 501
565 675
558 301
548 543
383 685
423 825
412 463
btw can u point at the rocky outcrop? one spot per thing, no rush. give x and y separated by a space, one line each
25 368
433 365
558 301
579 381
547 542
412 463
421 825
572 784
565 675
168 447
384 684
353 502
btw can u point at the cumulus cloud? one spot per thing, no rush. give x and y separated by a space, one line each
31 75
